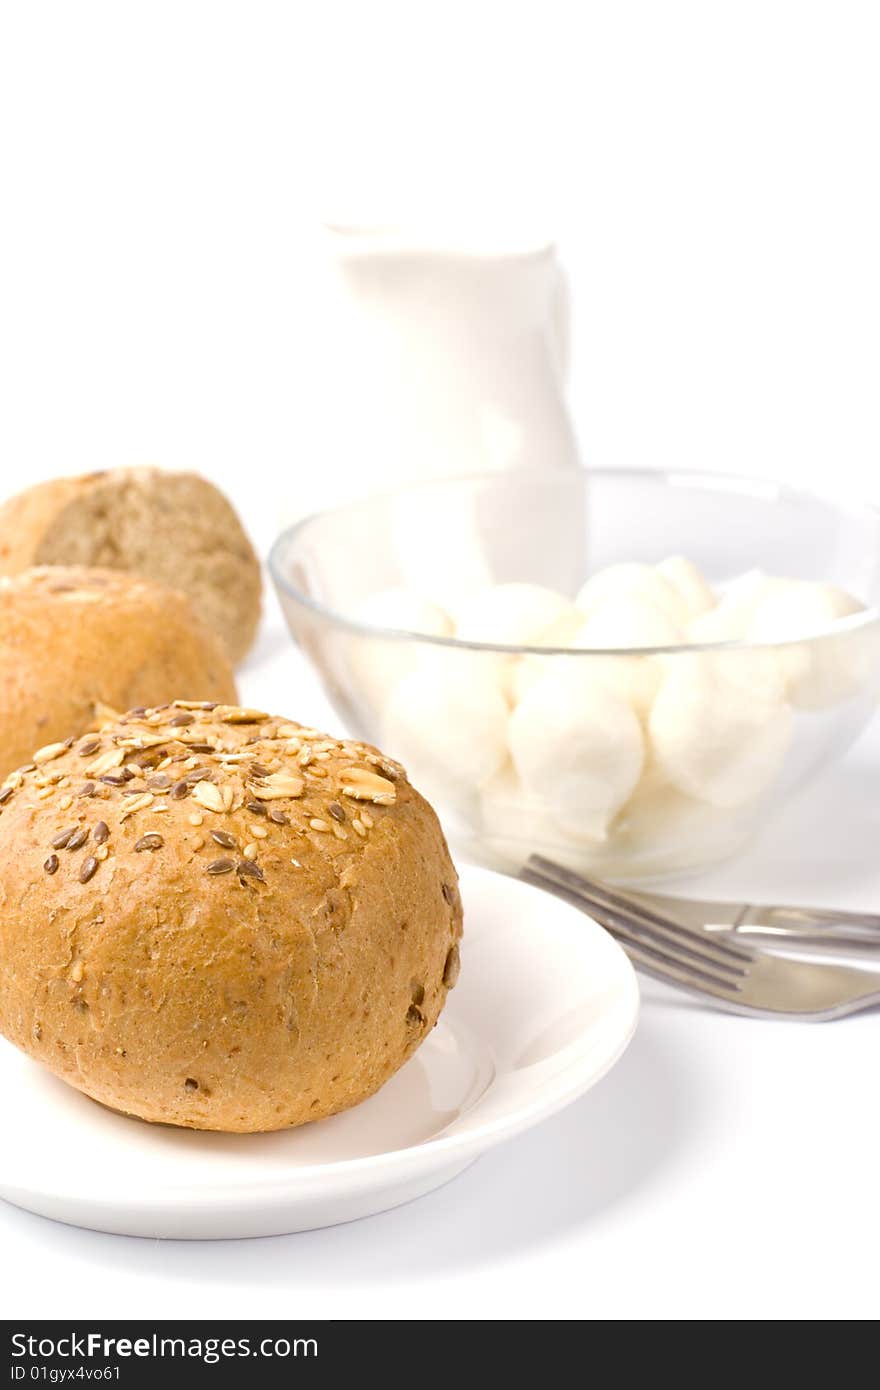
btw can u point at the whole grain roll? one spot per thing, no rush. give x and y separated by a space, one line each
238 924
73 640
174 528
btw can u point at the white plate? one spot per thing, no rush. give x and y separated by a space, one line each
546 1003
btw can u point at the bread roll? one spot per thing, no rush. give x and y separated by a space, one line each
174 528
235 924
74 639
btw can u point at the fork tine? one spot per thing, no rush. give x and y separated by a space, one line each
696 966
669 972
665 931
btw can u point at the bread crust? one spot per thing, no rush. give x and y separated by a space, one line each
251 925
177 529
74 639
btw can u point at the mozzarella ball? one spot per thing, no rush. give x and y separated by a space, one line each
717 739
662 830
513 615
822 672
577 746
446 722
517 615
514 822
729 620
629 621
633 580
377 664
692 586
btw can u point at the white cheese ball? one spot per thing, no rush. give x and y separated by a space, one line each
446 721
661 830
691 584
514 822
514 615
633 581
715 738
517 615
732 615
822 672
378 665
629 621
578 747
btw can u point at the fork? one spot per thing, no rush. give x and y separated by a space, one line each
737 979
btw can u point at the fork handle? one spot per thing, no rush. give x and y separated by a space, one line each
810 926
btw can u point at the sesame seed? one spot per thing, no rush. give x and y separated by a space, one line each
45 792
319 825
259 832
251 850
101 852
367 819
77 971
88 868
51 864
195 818
159 806
339 832
296 864
358 828
198 842
65 803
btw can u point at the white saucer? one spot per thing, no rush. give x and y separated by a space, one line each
546 1003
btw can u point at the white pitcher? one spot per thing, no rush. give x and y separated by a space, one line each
452 355
449 357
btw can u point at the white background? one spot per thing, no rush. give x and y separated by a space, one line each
711 171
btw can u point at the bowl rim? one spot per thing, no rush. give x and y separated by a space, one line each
714 482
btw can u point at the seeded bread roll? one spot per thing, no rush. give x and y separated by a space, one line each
236 924
174 528
72 640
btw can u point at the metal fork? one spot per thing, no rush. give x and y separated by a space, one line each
735 978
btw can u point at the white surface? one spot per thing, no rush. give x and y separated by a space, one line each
710 172
725 1168
546 1003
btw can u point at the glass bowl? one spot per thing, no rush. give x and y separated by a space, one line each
626 761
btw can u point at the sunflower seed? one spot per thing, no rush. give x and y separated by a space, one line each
88 868
220 866
149 841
